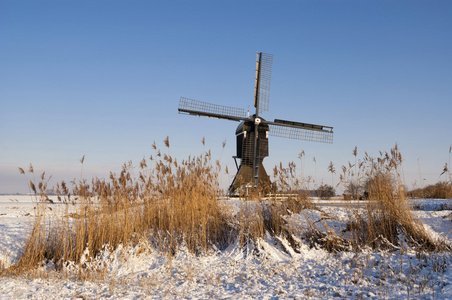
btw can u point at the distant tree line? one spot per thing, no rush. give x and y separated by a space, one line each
440 190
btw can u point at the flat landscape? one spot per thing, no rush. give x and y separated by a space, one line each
124 125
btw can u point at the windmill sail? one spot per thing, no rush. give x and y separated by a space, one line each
205 109
263 80
301 131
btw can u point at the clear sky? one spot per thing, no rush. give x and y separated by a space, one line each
103 79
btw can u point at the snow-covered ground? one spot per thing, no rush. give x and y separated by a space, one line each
276 271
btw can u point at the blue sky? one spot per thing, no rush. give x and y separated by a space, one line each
103 79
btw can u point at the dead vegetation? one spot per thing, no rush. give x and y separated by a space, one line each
387 220
169 204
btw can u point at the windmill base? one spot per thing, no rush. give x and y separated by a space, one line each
242 183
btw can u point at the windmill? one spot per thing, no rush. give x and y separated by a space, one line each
253 131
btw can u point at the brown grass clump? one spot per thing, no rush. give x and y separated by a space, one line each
168 203
256 218
387 215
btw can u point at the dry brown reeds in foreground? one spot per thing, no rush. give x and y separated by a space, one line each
168 203
387 216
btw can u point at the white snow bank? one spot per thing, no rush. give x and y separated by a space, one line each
267 269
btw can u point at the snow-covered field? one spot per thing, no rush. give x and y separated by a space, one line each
276 271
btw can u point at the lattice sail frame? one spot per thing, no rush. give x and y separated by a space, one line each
264 81
201 108
305 134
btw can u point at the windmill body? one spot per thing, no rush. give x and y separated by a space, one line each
246 138
253 131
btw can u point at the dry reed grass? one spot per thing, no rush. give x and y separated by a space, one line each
387 217
170 203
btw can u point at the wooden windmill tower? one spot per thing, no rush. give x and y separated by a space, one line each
253 131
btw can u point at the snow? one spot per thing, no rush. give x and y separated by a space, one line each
276 271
